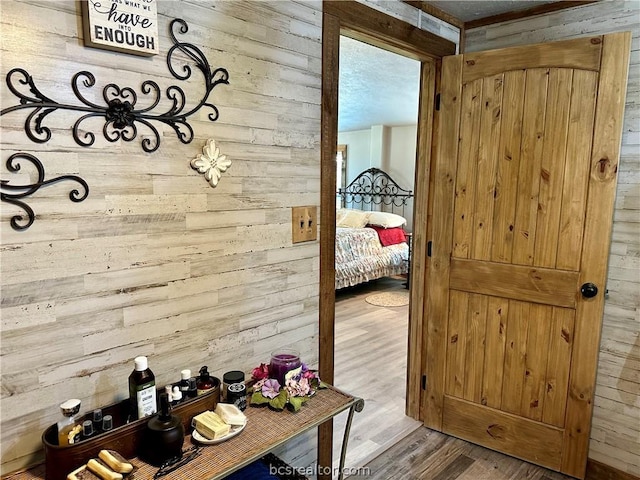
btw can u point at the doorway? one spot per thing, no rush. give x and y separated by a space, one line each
377 127
363 23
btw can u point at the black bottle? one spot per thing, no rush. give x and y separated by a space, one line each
107 423
96 418
164 435
87 430
193 388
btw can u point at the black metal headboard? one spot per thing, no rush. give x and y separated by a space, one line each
374 187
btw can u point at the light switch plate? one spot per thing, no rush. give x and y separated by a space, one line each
304 224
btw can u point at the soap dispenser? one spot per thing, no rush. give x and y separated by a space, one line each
164 435
205 381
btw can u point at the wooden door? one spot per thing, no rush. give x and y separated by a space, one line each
525 181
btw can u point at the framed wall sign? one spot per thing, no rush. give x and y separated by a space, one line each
127 26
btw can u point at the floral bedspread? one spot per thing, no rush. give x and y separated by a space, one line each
360 257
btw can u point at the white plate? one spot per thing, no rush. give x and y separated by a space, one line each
235 430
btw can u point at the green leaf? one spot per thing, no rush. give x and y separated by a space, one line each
280 401
323 385
296 402
258 399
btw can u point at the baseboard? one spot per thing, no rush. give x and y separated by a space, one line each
600 471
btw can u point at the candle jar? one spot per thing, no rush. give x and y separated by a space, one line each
283 361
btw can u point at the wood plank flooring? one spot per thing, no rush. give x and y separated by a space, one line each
429 455
370 361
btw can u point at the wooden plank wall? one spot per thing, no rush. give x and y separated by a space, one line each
408 13
615 435
155 262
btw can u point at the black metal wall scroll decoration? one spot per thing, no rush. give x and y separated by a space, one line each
22 191
122 117
119 110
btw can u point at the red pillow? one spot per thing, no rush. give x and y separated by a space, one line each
389 236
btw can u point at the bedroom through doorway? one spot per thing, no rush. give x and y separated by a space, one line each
378 99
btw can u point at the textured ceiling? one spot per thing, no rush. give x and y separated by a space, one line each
473 10
376 87
381 88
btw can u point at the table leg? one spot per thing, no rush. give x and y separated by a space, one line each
356 407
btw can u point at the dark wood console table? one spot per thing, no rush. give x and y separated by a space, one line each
265 431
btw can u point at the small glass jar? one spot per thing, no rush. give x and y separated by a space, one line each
229 378
282 361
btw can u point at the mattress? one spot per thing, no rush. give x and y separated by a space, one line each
360 257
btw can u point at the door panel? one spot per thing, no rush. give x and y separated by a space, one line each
542 285
504 432
572 213
552 169
487 160
560 346
496 341
535 379
466 178
509 355
531 145
511 343
580 53
507 174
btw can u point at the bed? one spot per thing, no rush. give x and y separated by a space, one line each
371 241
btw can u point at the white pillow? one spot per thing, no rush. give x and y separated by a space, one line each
386 220
346 217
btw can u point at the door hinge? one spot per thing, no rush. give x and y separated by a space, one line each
437 101
429 248
424 382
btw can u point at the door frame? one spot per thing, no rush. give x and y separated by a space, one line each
365 24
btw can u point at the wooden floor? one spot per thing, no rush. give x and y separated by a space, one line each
370 361
429 455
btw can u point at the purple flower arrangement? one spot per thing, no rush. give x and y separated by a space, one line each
299 384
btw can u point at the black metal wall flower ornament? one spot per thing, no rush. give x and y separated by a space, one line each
121 114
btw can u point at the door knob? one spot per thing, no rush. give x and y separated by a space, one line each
589 290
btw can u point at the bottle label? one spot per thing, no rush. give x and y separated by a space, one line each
74 436
237 395
146 400
237 388
69 435
241 402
